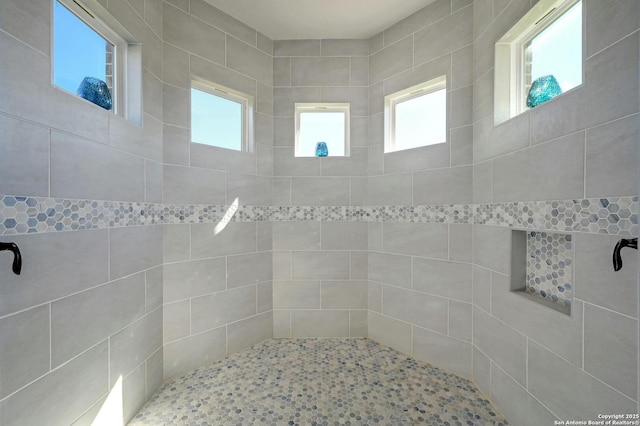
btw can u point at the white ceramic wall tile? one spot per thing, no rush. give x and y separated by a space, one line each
213 157
281 323
265 297
320 71
187 32
426 240
611 153
248 332
391 332
176 323
24 157
320 323
73 156
443 186
390 269
296 48
223 21
559 332
193 185
515 402
446 35
358 324
296 294
218 74
193 352
68 262
134 392
344 47
296 235
248 60
133 249
137 342
327 265
449 353
234 238
442 278
501 343
211 311
604 330
391 60
249 268
343 294
416 308
423 17
24 348
556 382
62 395
481 371
83 320
518 176
597 282
326 191
344 235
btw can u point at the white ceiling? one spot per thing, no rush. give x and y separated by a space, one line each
315 19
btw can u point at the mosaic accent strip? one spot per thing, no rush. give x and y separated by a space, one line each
24 215
614 216
549 266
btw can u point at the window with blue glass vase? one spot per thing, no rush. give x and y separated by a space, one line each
539 58
95 62
322 129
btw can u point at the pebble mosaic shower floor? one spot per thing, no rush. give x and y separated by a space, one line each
318 382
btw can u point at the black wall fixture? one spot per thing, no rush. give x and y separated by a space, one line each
17 257
617 258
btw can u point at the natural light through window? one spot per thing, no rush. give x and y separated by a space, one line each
220 117
416 116
539 58
322 122
557 51
96 58
78 51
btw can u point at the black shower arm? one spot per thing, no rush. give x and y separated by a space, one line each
17 257
617 258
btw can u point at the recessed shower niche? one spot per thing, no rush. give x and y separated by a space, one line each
542 267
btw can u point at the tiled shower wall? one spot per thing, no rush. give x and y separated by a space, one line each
420 273
217 278
87 309
320 267
409 248
535 362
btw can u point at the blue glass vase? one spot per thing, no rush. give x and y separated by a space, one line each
321 149
96 91
542 90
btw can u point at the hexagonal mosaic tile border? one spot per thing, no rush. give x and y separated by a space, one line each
549 266
614 216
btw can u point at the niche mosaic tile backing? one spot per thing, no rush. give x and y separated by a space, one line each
22 215
549 266
318 382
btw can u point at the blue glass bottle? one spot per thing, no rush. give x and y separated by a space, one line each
321 149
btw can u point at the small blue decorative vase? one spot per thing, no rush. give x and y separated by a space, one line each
96 91
321 149
542 90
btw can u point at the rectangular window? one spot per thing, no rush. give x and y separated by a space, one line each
538 58
322 122
89 60
221 117
416 116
